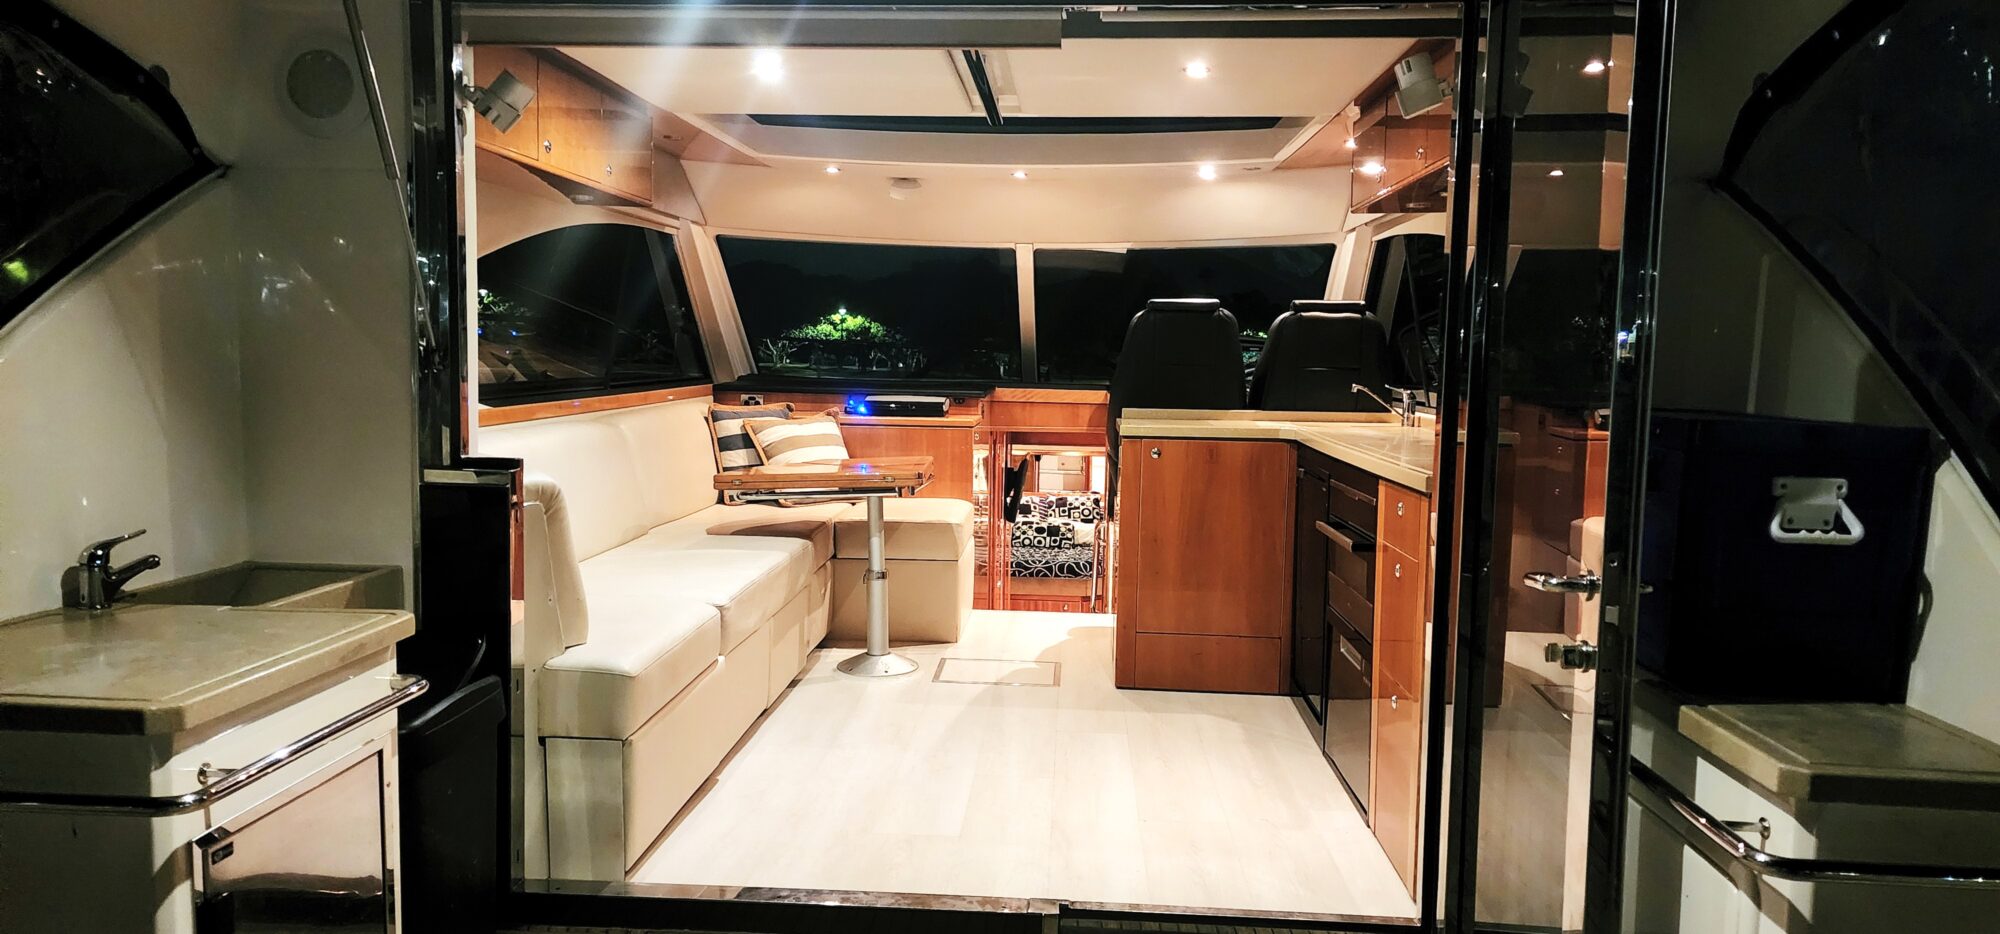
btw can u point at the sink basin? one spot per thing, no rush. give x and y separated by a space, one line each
284 586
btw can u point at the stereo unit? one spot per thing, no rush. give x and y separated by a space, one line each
904 406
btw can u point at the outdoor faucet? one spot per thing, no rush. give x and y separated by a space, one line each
1405 406
93 583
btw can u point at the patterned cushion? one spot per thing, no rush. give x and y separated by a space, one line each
1077 507
783 441
734 449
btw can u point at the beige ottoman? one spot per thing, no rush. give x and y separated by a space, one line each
928 546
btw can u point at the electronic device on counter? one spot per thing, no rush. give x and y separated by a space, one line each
902 406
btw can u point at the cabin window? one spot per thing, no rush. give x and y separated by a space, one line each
1871 155
1406 284
873 311
1085 298
588 310
93 144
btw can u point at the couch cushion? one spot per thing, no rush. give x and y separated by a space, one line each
592 461
783 442
931 529
674 456
643 649
745 578
811 523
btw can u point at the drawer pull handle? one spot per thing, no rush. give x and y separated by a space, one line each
1344 539
1156 453
1399 507
1393 699
1399 569
548 145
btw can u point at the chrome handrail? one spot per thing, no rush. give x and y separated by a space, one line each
1745 864
407 689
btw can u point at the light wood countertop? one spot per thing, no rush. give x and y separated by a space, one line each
1379 444
160 668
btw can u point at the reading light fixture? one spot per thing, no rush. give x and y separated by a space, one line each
1196 69
501 102
1206 173
1594 67
833 170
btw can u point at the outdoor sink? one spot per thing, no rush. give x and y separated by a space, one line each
285 586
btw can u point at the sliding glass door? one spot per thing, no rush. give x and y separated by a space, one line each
1551 236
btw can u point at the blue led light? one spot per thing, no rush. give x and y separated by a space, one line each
857 405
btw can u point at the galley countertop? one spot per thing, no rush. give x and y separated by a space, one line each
1377 443
160 668
1884 754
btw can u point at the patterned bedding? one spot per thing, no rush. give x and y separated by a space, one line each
1056 536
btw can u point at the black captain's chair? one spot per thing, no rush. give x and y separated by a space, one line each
1179 353
1316 354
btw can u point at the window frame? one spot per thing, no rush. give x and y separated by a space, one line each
110 66
600 387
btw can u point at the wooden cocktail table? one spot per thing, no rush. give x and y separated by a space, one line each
873 479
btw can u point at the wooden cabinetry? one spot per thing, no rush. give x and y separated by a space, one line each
1402 587
576 130
1205 565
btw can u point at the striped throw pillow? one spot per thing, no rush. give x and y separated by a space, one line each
786 441
734 449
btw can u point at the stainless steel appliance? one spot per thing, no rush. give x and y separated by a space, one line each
309 860
1349 694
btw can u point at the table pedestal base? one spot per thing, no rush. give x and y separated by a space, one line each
865 665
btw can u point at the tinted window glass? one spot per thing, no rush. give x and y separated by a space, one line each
1873 156
1085 298
857 310
585 310
92 144
1406 278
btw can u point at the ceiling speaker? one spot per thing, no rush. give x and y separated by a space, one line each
319 89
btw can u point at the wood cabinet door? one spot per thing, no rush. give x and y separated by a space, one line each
628 126
1207 534
573 129
949 448
525 138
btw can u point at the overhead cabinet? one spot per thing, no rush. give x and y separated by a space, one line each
576 132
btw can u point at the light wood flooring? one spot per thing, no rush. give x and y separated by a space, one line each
1077 791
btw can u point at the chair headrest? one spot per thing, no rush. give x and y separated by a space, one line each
1200 305
1324 307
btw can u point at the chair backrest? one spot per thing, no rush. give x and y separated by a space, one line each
1179 353
1316 354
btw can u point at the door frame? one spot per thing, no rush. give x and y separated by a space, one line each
1479 307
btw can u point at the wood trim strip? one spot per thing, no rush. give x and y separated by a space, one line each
535 411
1026 394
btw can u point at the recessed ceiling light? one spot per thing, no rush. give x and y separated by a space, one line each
833 170
1555 173
1594 67
1372 168
1195 69
1206 173
768 66
1019 173
1350 144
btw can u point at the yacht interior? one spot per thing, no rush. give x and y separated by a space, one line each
1389 467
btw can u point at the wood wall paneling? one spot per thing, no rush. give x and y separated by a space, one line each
949 448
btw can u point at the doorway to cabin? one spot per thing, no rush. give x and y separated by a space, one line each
1165 662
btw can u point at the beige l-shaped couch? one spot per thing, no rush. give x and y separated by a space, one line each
660 623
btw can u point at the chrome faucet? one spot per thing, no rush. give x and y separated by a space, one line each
93 583
1405 406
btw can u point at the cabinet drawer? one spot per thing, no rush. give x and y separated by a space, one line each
1208 663
1396 764
1358 610
1353 506
1405 519
1401 605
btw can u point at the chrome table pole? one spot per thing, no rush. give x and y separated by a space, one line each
878 661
